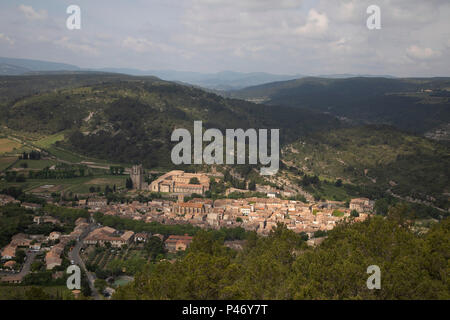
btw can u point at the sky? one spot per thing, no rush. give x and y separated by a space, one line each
308 37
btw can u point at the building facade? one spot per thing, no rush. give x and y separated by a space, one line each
137 177
179 182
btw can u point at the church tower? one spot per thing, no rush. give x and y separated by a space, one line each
137 176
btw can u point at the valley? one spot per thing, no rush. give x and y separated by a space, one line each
337 177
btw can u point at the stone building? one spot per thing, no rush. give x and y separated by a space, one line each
137 177
178 181
362 205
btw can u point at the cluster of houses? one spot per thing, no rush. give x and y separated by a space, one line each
104 235
176 243
117 239
5 199
53 245
258 214
53 257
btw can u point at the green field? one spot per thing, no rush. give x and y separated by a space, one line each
72 157
35 164
48 141
97 181
5 162
65 155
75 185
329 191
8 145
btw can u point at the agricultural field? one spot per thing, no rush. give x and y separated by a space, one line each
35 164
98 181
48 141
65 155
72 157
75 185
8 145
5 162
127 260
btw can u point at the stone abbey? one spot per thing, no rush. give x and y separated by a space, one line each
176 181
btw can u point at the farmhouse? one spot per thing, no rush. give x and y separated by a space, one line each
5 199
9 252
105 235
361 205
97 203
141 237
175 243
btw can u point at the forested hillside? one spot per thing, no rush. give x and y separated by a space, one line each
415 105
130 119
377 156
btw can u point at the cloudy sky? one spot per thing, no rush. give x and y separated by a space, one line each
278 36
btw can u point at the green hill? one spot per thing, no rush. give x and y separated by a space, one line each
130 119
415 105
377 156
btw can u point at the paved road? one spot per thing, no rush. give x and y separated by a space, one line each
75 256
31 255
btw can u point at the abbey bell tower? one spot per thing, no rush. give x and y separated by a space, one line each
137 176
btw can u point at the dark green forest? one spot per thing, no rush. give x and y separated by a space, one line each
397 102
131 119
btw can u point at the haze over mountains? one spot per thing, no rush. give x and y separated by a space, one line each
415 105
223 81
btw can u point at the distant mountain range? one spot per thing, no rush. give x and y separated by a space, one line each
223 81
12 66
417 105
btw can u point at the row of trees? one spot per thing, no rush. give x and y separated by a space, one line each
61 172
33 155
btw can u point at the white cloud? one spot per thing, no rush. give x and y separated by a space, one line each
83 48
316 24
4 37
32 14
419 53
279 36
250 4
143 45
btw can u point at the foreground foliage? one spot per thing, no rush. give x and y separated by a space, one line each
281 266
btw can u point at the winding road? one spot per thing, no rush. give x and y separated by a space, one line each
75 256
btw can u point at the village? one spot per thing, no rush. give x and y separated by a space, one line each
97 247
253 214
